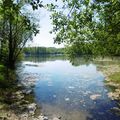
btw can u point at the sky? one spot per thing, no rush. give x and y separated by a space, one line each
44 38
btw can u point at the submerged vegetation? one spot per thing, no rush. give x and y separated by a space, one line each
115 77
111 72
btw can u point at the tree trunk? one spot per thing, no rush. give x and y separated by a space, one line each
11 61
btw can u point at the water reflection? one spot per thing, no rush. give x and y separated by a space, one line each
44 58
72 92
97 61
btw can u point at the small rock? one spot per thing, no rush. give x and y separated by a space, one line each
110 94
116 108
19 97
27 91
41 117
19 85
31 108
24 102
59 117
24 116
94 97
45 118
114 95
67 99
18 92
8 115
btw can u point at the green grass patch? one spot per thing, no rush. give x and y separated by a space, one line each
2 67
115 77
1 77
2 72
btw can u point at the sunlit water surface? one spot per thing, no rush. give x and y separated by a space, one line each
68 91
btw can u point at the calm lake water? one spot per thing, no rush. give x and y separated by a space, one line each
68 89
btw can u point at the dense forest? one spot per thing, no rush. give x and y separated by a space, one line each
36 51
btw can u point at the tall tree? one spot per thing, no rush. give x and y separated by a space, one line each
16 28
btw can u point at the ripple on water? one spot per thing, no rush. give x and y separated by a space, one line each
71 92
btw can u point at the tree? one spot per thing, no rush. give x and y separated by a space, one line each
36 51
110 22
16 29
84 25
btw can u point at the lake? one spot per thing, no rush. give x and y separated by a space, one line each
71 90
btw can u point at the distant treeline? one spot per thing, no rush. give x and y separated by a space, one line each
35 51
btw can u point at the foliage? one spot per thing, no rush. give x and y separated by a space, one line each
77 61
36 51
1 67
44 58
16 29
88 25
85 26
1 72
1 77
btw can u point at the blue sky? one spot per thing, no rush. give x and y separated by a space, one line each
44 38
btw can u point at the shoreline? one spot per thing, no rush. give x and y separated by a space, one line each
112 81
111 72
19 104
23 106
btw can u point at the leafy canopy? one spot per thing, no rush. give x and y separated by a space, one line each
16 28
88 26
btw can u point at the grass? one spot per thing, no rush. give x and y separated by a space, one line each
7 83
2 68
1 77
115 77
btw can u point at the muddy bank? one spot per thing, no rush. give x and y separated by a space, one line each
21 106
112 81
17 102
109 71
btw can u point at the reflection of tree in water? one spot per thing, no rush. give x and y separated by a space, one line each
44 58
76 61
84 60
